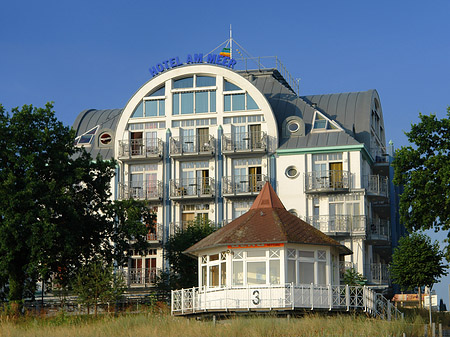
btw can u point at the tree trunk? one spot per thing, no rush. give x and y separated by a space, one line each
420 297
16 286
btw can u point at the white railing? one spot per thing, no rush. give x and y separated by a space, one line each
327 181
192 187
244 142
376 185
140 148
285 297
192 145
243 184
146 190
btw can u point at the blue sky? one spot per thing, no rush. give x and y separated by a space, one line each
96 54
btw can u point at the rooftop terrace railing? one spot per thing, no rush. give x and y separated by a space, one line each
268 62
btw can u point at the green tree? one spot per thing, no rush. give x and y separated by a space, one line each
56 212
423 169
183 268
417 262
353 278
97 284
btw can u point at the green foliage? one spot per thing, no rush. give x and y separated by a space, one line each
96 284
55 205
417 262
423 170
353 278
183 268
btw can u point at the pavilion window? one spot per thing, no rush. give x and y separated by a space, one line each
256 272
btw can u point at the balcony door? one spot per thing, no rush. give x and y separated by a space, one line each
336 178
255 136
203 181
136 185
187 140
254 178
239 136
151 182
203 139
151 142
136 143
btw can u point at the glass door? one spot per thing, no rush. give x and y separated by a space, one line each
255 136
336 178
136 143
151 142
240 138
151 185
203 139
187 140
254 178
136 185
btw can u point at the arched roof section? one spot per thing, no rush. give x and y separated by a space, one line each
206 70
106 120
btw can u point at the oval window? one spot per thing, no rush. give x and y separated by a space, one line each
293 127
105 138
291 172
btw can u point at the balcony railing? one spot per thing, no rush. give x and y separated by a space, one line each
377 186
377 273
284 297
156 233
140 276
379 155
378 229
243 184
338 224
140 148
192 145
245 142
375 229
327 181
142 190
190 188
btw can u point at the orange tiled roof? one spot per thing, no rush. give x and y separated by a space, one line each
267 221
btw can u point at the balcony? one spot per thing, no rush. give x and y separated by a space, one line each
378 230
191 188
374 229
376 186
188 146
140 277
338 224
244 143
327 181
140 149
377 273
151 190
156 233
245 185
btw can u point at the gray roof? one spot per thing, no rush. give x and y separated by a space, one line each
106 120
350 110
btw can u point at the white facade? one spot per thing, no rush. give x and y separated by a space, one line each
200 140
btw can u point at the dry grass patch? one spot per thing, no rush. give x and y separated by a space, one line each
166 325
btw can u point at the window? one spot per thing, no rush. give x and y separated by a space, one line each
189 99
214 270
87 137
291 172
153 105
105 139
293 126
322 123
256 266
307 266
236 99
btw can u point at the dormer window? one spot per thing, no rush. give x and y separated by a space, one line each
86 138
322 123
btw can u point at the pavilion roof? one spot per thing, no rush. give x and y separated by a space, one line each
267 221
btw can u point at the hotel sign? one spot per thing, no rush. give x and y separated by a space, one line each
174 62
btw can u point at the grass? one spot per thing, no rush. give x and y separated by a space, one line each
162 324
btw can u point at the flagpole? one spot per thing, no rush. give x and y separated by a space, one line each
231 43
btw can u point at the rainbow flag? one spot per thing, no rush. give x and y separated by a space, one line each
225 52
